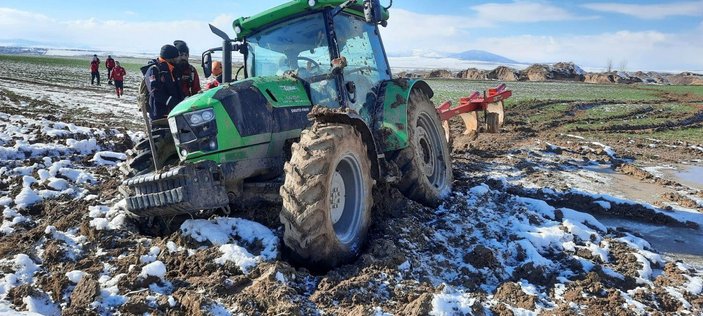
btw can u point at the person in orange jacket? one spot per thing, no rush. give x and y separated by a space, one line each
162 82
216 76
117 75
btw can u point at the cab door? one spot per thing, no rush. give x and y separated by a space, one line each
367 67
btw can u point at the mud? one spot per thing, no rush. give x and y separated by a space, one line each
414 254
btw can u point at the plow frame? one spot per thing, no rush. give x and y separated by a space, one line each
489 102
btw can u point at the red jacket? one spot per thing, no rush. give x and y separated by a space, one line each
188 79
94 65
118 73
109 63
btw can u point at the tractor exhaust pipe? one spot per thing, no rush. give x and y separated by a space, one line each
226 53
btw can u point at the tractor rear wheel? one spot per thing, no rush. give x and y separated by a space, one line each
425 164
327 196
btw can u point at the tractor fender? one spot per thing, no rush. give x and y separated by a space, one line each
350 117
391 119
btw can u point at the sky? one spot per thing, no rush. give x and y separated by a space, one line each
631 35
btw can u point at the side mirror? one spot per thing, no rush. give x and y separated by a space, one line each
372 11
207 63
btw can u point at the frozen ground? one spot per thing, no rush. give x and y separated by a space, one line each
520 234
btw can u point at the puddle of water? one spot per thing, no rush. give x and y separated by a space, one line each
628 187
678 243
691 176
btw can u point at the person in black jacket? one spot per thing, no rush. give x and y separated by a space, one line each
163 83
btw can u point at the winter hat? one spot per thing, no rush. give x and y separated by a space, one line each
169 52
182 46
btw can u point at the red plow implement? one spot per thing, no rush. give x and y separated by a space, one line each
489 102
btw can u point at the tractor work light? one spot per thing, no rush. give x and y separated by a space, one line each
199 117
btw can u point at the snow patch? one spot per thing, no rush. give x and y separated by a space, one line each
75 276
156 269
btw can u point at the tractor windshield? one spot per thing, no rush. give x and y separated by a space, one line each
299 45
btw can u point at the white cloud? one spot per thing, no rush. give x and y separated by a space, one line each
646 50
651 11
522 11
113 35
410 31
639 50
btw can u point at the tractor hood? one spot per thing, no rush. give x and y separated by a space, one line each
278 91
245 26
221 123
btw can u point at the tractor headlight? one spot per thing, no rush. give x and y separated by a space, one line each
199 117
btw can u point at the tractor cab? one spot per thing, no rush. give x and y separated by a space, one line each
329 46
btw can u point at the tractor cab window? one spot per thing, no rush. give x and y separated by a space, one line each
366 62
299 46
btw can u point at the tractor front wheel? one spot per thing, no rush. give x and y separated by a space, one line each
142 161
327 196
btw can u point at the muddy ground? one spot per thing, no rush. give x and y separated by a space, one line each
519 234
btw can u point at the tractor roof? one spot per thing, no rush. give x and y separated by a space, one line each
249 25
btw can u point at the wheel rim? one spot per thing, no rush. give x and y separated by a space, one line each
346 198
428 148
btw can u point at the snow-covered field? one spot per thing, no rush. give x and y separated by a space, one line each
519 234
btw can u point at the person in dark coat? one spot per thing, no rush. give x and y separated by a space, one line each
162 83
95 70
190 82
109 64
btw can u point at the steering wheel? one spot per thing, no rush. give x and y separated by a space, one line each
315 65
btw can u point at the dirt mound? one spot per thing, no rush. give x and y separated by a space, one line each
567 71
408 75
472 74
611 77
440 73
513 294
599 78
503 73
686 78
650 77
536 72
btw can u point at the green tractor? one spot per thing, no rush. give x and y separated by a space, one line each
315 119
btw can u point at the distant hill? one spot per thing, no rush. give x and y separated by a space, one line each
481 55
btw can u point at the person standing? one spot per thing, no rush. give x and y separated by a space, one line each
109 64
117 75
188 76
162 83
95 70
215 77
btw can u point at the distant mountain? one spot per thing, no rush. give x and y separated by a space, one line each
481 55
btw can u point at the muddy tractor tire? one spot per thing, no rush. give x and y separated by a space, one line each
327 196
142 161
425 165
